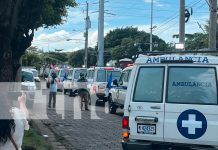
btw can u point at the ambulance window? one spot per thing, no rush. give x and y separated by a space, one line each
90 74
101 76
192 85
124 77
149 85
115 75
129 73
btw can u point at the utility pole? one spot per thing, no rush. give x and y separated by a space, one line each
101 34
151 40
182 23
88 25
212 25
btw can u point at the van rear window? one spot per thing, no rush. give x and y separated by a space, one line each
149 85
192 85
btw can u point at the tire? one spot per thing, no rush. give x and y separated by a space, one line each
89 99
65 91
47 85
111 106
71 93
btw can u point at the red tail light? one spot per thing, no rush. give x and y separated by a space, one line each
94 89
125 122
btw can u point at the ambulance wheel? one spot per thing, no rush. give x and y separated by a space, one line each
65 91
111 107
48 85
89 99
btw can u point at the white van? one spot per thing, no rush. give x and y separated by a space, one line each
97 80
117 93
73 76
172 102
29 86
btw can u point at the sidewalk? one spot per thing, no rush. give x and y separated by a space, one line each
43 127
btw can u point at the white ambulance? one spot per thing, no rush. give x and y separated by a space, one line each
117 93
172 103
98 78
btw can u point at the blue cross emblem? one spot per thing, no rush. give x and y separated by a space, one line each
192 124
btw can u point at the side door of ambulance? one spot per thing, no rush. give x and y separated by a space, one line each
123 90
146 116
191 105
90 78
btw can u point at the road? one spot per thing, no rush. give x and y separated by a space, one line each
80 130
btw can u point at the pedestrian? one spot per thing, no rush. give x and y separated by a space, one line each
13 122
53 90
82 91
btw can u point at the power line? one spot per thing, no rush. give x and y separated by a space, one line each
169 20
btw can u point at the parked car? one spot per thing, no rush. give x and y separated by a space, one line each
28 85
75 76
98 78
117 93
67 83
61 76
171 103
36 78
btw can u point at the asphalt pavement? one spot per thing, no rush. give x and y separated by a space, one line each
95 129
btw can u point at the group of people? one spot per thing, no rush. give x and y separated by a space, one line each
81 91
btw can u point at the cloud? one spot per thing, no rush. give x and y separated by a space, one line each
53 37
59 40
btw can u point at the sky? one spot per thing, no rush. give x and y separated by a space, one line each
135 13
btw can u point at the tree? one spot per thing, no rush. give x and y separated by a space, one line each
196 41
126 42
32 59
18 20
76 59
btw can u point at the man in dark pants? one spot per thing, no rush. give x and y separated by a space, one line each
82 92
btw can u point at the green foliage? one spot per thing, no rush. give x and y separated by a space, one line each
196 41
33 139
76 59
32 59
38 13
126 42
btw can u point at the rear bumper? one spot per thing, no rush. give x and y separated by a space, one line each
149 145
100 95
128 145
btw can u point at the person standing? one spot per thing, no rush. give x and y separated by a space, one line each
82 91
13 122
53 90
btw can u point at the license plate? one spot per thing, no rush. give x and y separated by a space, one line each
146 128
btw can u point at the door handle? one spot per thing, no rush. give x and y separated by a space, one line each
146 119
155 107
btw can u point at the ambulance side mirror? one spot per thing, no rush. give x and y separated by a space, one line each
115 82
